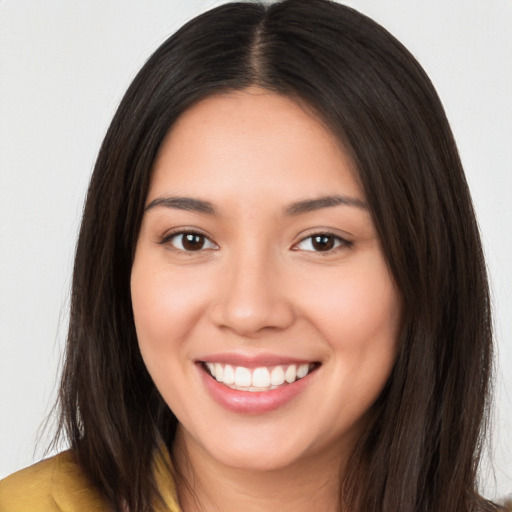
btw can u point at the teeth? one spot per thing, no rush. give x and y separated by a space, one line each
229 374
261 378
219 372
242 377
258 379
277 376
302 371
290 374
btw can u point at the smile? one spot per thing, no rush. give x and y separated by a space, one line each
253 385
257 379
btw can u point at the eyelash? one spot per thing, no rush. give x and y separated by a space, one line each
338 241
167 239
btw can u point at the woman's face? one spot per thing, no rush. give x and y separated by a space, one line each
264 309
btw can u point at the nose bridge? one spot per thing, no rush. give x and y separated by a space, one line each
251 298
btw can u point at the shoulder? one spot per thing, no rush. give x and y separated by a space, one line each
52 485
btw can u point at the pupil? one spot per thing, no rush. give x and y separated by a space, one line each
323 242
192 242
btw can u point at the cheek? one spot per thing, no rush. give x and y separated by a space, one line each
361 300
357 312
165 303
359 318
166 307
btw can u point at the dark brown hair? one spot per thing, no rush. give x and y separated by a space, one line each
421 450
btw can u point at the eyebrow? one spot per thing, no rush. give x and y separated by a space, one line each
183 203
311 205
298 208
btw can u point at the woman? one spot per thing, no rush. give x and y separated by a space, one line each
279 296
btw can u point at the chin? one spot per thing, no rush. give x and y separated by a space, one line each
261 448
257 460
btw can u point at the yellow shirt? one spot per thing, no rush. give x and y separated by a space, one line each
58 485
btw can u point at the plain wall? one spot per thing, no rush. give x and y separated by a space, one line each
64 65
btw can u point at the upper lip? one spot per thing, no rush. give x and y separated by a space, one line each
253 360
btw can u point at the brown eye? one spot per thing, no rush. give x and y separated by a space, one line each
322 242
191 242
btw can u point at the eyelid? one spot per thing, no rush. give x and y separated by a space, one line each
169 235
343 242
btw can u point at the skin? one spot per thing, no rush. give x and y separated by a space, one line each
257 285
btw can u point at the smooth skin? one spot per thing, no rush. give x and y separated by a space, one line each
257 274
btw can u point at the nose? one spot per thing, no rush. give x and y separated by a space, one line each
251 297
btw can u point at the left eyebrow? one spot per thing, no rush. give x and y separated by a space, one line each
310 205
183 203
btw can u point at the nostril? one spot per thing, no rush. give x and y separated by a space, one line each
248 318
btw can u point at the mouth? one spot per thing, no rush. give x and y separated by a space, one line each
260 379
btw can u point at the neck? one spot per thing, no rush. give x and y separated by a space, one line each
309 484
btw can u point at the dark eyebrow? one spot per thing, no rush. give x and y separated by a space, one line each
310 205
298 208
183 203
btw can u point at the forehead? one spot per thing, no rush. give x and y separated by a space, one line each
248 142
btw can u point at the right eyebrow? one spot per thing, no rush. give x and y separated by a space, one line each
310 205
183 203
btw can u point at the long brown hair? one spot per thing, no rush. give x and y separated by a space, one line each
421 450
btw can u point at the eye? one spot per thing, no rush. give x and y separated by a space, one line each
321 242
190 241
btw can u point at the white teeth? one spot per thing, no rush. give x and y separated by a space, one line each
261 378
219 372
242 377
302 371
290 374
258 379
277 376
229 374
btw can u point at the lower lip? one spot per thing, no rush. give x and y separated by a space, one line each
252 402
